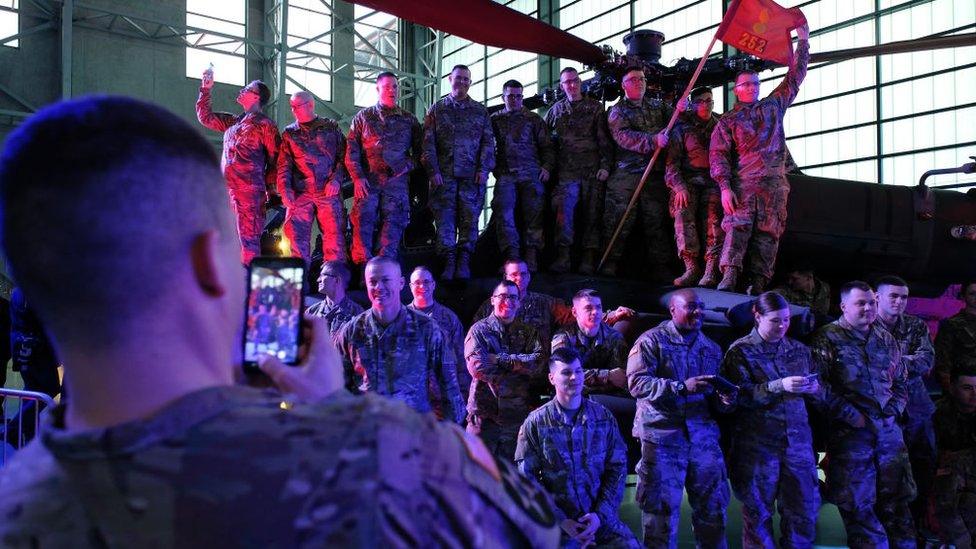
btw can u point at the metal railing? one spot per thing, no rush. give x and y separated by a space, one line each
24 424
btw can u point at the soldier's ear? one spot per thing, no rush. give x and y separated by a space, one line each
207 269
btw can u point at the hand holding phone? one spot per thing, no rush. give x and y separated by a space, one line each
318 372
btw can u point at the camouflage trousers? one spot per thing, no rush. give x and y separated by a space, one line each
919 435
582 195
954 491
331 216
528 194
500 439
615 535
649 208
869 479
662 475
456 204
765 479
699 221
753 230
248 204
389 200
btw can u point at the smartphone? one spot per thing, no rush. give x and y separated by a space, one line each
812 377
723 385
273 311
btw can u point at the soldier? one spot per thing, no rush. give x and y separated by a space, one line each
695 203
249 159
918 357
395 351
310 176
668 372
805 289
422 286
572 447
773 462
748 161
384 147
585 153
158 447
955 342
504 356
955 479
522 165
458 153
868 475
336 308
637 124
602 350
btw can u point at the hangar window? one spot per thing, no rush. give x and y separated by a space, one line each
9 22
216 35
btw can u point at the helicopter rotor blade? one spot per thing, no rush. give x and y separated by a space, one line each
903 46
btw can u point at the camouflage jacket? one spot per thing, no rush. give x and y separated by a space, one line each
453 332
503 361
955 345
336 315
310 159
382 141
581 137
767 415
687 162
955 431
251 142
818 301
918 356
541 311
407 360
229 466
582 463
748 143
458 140
862 374
633 127
658 361
522 143
599 354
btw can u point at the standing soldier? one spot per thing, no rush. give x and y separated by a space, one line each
868 474
637 124
422 286
384 147
458 153
310 176
522 165
955 343
695 202
585 152
955 479
249 159
668 372
336 307
748 161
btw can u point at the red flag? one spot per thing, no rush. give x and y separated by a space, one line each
761 28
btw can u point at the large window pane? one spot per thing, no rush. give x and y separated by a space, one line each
9 21
225 52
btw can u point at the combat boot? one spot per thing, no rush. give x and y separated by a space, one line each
712 274
757 285
587 266
561 264
463 271
730 276
449 267
609 268
531 259
691 275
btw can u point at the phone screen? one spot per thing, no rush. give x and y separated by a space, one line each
274 309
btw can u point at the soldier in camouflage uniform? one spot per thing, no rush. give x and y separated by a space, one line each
602 350
176 456
585 153
310 177
384 147
954 489
805 289
572 447
869 477
395 351
695 204
458 153
747 155
668 372
523 162
422 286
336 307
249 159
504 357
955 342
773 464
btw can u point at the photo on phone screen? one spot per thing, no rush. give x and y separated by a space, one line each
274 309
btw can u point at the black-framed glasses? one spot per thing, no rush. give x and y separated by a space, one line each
506 297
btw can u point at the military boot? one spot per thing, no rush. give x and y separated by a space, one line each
561 264
691 275
730 276
449 267
531 259
463 271
712 274
757 284
587 266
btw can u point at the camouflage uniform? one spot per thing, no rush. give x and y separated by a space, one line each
584 147
458 145
406 360
599 354
679 438
229 467
748 156
633 127
954 489
383 145
581 462
524 148
503 361
336 315
541 311
818 301
453 332
955 346
773 463
310 177
869 477
248 163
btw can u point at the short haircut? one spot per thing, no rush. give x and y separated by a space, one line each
460 66
506 284
513 261
565 355
568 69
422 268
385 74
699 91
746 71
768 302
512 84
890 280
960 370
631 69
848 287
383 260
264 92
337 268
587 292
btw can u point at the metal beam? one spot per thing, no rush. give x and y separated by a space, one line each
67 24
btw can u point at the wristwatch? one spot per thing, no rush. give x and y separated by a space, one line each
682 389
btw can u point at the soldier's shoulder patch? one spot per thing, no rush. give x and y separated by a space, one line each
478 453
527 495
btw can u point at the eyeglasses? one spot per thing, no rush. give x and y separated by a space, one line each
747 85
506 297
570 82
704 102
418 283
638 79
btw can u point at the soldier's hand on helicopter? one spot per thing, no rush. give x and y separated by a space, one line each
602 175
437 180
729 201
661 140
543 175
681 199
